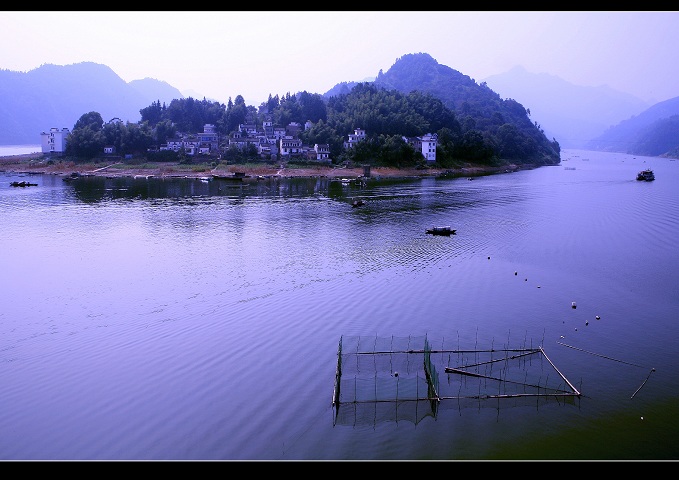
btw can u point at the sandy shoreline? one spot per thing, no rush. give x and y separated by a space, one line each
37 164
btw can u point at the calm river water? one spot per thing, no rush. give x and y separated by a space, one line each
149 319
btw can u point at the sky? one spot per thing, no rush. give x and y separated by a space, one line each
222 54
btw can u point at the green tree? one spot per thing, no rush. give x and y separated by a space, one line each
138 138
163 131
114 134
153 113
86 140
91 120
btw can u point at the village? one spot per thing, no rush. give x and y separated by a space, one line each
271 143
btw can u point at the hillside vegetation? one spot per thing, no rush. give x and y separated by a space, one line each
473 124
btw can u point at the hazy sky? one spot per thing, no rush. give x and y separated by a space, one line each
223 54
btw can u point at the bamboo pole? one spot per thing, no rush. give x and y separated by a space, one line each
561 374
599 355
644 383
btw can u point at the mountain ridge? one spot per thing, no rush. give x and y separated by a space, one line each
56 96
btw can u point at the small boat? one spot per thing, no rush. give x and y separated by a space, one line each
23 183
447 230
72 176
235 177
646 175
357 203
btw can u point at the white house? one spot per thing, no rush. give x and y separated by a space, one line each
429 142
190 148
290 146
322 151
357 136
247 128
54 141
426 144
209 139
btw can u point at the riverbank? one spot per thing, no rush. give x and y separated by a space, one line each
38 163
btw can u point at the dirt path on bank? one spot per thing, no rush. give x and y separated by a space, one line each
36 163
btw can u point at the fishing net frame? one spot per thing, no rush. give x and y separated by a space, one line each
399 377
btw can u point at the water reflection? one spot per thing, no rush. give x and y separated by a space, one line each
92 189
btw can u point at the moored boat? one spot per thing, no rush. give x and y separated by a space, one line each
447 230
23 183
234 177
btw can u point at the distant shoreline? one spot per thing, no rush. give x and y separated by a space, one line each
36 163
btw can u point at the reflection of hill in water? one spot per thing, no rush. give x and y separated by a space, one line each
95 188
91 189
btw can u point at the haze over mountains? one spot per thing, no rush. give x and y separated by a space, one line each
57 96
570 113
576 116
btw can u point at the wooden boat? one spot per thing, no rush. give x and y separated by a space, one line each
447 230
23 183
646 175
72 176
235 177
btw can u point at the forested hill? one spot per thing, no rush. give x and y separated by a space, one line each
653 132
503 124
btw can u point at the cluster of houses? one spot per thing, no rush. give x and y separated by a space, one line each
271 142
283 143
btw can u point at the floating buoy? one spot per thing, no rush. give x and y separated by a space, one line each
488 258
396 374
576 329
573 305
598 317
538 286
516 273
586 322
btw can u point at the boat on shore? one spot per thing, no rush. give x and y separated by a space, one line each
447 230
235 177
646 175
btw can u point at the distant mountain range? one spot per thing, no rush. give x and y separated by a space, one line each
654 132
596 118
570 113
57 96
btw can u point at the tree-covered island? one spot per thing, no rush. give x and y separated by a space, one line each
417 96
